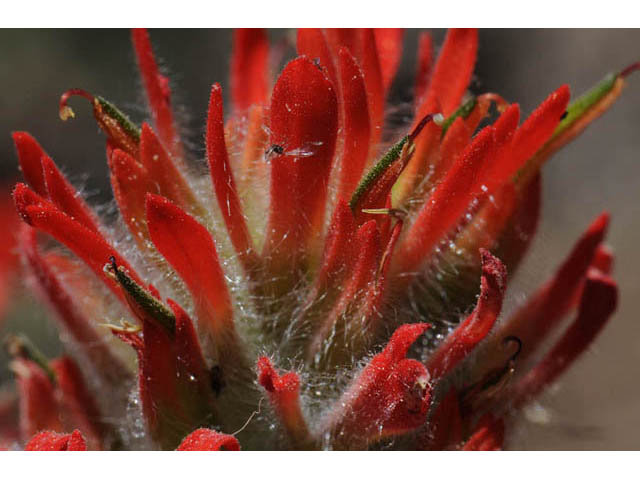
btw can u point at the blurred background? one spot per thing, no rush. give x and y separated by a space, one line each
597 404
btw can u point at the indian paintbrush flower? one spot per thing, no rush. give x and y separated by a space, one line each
306 293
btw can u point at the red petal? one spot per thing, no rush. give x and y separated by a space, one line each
191 251
130 182
57 295
453 70
78 404
425 64
603 259
389 44
30 155
157 90
204 439
391 395
338 244
57 442
453 144
191 363
445 425
515 239
87 245
163 172
304 116
356 125
599 301
546 307
249 68
489 435
536 130
367 55
368 253
446 205
284 395
65 197
475 328
39 409
313 43
223 180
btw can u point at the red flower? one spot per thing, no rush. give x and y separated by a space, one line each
333 277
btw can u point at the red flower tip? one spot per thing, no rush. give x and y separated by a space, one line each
249 68
477 325
24 197
157 90
390 396
284 395
57 442
599 301
30 155
204 439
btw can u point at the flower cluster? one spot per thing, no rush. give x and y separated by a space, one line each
324 286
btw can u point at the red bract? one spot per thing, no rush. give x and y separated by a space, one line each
57 442
305 250
204 439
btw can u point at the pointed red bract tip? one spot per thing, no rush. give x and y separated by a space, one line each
599 301
204 439
249 68
423 70
224 182
536 130
30 155
312 43
447 203
130 182
453 70
57 442
65 197
356 124
547 306
389 44
476 326
603 259
156 87
191 251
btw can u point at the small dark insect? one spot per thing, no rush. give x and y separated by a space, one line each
564 115
277 149
217 382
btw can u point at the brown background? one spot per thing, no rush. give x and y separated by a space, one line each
597 405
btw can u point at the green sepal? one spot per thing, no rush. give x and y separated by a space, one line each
378 169
114 112
582 104
21 346
463 111
141 296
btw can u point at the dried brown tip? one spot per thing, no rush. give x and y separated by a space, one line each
629 70
416 131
